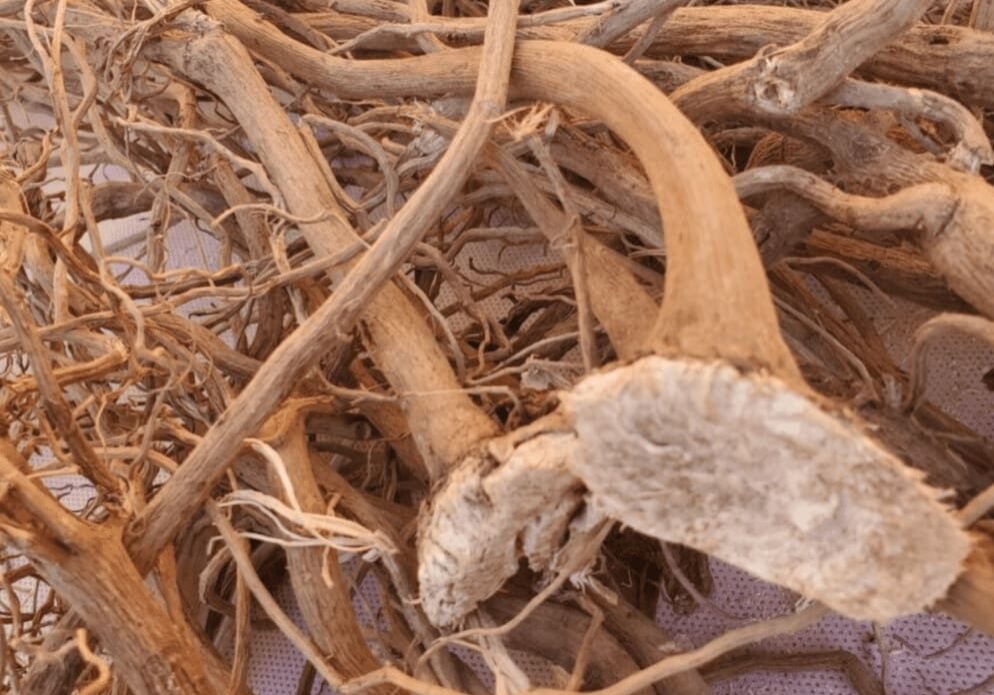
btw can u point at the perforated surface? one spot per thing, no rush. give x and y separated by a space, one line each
924 655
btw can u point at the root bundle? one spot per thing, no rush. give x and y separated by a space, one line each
491 307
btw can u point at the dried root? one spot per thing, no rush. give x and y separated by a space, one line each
450 289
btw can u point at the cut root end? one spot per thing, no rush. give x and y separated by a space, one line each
744 468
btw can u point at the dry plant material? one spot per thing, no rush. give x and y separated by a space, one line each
449 289
647 435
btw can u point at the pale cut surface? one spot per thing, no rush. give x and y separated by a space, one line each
492 510
743 468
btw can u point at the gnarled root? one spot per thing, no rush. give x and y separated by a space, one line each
742 467
514 498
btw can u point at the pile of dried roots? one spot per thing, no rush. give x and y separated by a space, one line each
514 312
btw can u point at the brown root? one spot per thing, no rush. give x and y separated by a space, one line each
453 292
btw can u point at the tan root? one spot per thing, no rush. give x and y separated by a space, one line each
482 327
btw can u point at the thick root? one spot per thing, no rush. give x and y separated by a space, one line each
741 467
